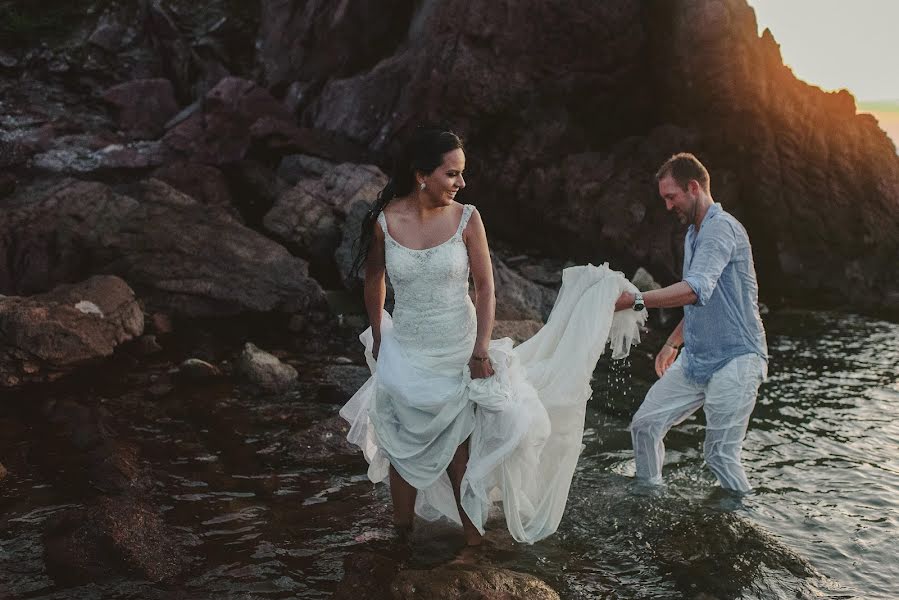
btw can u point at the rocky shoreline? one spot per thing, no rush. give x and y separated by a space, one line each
167 167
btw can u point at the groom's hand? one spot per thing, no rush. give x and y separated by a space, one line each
664 359
625 300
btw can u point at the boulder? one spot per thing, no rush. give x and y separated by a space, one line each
519 331
265 370
45 336
517 298
309 215
202 263
465 582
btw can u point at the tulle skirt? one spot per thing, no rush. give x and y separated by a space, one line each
525 423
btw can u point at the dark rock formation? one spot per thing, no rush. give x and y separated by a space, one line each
175 252
568 113
45 336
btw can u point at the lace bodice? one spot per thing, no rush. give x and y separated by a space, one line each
432 306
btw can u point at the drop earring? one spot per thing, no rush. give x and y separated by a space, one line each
422 186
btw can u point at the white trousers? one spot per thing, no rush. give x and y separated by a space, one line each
727 399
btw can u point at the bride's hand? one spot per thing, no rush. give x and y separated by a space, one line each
375 348
480 368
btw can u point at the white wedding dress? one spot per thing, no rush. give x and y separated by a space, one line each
526 422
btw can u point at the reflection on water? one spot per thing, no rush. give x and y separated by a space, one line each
821 450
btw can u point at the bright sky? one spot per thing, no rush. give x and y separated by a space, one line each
836 44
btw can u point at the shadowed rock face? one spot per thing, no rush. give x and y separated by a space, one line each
568 113
178 254
567 110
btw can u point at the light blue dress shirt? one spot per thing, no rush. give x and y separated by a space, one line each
724 322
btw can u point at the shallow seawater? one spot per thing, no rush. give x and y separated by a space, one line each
822 451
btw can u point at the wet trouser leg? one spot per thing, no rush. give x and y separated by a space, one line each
671 399
729 401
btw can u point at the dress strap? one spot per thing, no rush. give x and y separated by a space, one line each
382 221
467 209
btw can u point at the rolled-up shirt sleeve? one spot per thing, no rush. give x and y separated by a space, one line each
714 251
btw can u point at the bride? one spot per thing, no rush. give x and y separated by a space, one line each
458 422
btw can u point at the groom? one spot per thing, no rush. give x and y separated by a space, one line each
725 355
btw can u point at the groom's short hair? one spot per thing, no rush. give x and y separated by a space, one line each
682 167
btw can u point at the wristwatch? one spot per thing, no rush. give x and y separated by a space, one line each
638 301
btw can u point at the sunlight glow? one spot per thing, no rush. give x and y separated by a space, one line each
837 44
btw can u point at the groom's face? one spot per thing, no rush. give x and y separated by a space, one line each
681 201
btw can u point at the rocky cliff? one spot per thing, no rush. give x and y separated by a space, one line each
566 108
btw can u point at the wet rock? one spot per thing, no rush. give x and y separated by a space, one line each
203 264
220 132
120 535
3 472
310 214
265 370
366 575
519 331
194 369
115 469
736 549
518 299
324 441
144 106
45 336
469 582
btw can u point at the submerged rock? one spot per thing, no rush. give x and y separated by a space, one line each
194 369
265 370
119 535
469 582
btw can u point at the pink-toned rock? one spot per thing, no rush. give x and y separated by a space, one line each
45 336
220 132
144 106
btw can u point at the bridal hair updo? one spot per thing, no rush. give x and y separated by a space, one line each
422 154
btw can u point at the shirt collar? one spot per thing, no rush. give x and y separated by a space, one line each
714 209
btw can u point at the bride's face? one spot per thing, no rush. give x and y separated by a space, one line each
442 185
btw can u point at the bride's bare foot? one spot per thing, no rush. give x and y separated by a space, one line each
473 537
